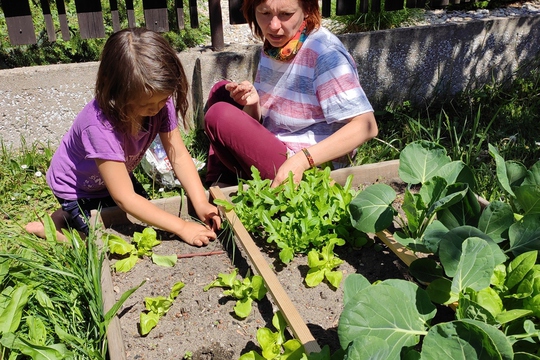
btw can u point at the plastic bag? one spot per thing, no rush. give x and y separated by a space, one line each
155 164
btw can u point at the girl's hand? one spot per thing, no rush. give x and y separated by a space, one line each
197 234
297 163
210 215
243 93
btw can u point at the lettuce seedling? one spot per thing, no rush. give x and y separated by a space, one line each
274 345
142 245
322 264
157 307
245 291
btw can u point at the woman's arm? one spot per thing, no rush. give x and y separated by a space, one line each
120 187
360 129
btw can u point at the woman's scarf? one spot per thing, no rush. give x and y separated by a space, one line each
289 50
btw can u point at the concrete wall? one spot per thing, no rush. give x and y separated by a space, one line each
418 64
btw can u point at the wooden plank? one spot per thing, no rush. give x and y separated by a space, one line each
345 7
367 174
235 12
115 15
179 4
130 14
295 321
393 5
49 25
115 341
90 17
19 22
326 9
193 14
216 25
364 6
155 15
406 255
62 18
375 6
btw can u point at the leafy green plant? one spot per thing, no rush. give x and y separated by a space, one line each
51 297
403 327
142 245
446 198
322 264
296 217
157 307
274 344
244 291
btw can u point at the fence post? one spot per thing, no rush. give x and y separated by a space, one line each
46 10
155 15
90 19
345 7
114 15
62 18
216 25
19 21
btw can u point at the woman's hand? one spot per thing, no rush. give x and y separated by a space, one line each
243 93
298 163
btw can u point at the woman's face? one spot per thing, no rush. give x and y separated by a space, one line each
279 20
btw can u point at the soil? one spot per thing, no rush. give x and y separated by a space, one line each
204 325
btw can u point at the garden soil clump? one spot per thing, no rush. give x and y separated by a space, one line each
203 324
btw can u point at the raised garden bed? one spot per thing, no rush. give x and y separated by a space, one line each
203 323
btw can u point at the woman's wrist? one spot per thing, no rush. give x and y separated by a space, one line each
309 158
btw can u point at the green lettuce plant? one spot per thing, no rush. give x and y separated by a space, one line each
142 245
244 291
322 264
296 217
157 307
274 344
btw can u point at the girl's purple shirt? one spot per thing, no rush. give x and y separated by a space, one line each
73 173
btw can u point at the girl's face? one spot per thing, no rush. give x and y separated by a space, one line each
279 20
150 105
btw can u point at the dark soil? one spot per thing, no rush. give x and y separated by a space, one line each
204 324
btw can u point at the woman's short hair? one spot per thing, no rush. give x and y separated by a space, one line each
310 7
134 63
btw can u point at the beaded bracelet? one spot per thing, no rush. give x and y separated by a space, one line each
309 157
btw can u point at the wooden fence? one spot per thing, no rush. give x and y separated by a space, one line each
21 31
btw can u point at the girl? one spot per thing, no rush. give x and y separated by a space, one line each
140 88
305 108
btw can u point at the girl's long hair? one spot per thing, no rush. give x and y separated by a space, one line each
310 8
134 63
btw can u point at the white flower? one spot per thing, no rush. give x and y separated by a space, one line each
161 190
24 166
38 174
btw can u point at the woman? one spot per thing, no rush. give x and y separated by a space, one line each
305 108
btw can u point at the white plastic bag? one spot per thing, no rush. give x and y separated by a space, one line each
156 164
